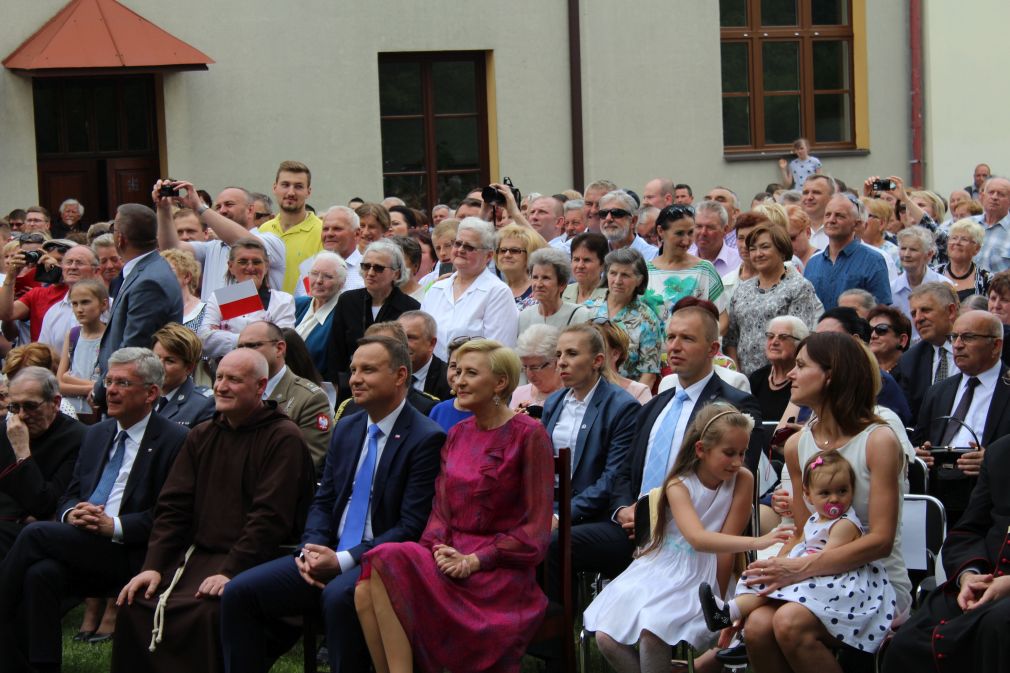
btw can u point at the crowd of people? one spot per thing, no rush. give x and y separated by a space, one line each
220 417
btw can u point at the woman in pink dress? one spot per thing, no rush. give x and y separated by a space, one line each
465 597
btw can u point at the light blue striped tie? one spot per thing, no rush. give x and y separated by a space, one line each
659 455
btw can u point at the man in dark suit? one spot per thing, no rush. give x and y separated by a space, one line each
962 626
429 370
105 516
692 340
149 297
934 308
377 487
978 397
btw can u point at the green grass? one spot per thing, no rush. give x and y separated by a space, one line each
87 658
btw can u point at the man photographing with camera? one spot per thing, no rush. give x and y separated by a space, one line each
501 205
61 263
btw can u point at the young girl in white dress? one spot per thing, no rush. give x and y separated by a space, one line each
856 606
709 494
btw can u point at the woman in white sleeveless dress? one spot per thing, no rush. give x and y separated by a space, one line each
835 377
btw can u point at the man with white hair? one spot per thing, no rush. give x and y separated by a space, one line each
845 263
340 235
70 213
618 214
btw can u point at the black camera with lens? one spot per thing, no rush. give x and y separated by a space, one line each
32 257
493 197
167 189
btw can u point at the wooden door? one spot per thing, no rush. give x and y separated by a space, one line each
129 180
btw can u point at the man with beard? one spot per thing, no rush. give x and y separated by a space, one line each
299 229
232 218
618 216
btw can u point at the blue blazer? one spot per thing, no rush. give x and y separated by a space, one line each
403 486
319 338
189 406
149 299
162 441
629 479
608 427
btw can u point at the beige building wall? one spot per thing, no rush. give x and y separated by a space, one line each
967 96
300 81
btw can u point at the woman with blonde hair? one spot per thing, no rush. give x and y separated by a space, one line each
514 245
964 240
187 270
474 567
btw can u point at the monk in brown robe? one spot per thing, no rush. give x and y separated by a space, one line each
239 489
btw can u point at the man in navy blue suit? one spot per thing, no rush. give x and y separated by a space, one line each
376 487
105 517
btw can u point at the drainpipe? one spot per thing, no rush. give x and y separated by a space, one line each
575 86
918 107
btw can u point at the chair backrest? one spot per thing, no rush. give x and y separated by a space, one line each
918 477
923 529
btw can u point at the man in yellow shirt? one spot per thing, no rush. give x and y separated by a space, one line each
299 229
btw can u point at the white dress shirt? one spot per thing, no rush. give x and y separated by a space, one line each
315 318
978 411
573 410
344 558
420 375
693 393
273 381
485 309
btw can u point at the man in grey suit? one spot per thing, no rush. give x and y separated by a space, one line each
148 298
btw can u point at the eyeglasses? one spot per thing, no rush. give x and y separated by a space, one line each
538 368
510 251
28 407
968 338
316 275
248 262
881 329
772 336
262 216
377 268
257 344
616 213
72 263
121 383
465 247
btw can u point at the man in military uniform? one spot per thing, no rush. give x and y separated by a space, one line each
962 626
304 402
182 401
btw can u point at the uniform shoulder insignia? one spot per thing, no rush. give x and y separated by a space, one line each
308 385
204 390
431 397
340 410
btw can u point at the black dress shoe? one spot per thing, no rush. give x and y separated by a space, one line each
82 636
731 656
716 618
100 638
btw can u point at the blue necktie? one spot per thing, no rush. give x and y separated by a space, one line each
101 494
357 508
659 456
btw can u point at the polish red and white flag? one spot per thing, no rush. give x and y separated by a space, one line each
238 299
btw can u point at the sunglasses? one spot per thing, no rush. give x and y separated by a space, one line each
262 216
882 329
510 251
465 247
616 213
377 268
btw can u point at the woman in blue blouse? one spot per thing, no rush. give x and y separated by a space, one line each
314 314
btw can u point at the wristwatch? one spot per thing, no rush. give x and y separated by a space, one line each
202 209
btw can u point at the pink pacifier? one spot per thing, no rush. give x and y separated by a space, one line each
832 510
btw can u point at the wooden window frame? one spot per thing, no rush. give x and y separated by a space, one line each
428 116
754 36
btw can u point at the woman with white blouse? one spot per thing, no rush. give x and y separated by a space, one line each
247 260
472 301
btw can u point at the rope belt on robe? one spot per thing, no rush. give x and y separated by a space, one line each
157 630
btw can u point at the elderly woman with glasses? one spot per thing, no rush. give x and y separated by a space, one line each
385 271
676 273
511 259
537 349
964 240
247 260
917 247
472 301
627 279
549 270
314 314
774 290
770 384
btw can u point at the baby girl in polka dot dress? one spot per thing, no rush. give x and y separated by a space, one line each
856 606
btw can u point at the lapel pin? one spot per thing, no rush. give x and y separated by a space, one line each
396 436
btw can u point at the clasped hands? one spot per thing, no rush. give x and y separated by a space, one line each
454 564
317 564
91 518
978 589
